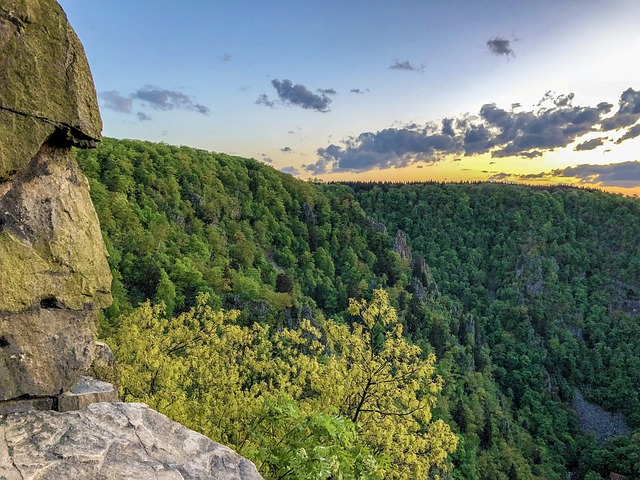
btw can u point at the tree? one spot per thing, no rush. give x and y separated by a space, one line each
319 402
387 387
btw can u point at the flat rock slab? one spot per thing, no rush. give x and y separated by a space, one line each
87 391
112 440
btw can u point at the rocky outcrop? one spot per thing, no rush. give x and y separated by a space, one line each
46 88
53 270
54 278
596 420
113 440
401 246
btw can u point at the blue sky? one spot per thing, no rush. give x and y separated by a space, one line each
378 90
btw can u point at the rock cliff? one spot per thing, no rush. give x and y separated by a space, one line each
53 270
54 278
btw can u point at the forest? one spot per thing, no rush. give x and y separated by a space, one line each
363 331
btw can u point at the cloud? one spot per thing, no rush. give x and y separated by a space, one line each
266 158
291 170
498 177
301 96
527 133
357 91
327 91
407 66
500 46
564 100
143 117
226 57
286 150
625 174
628 111
384 149
633 132
116 102
590 144
496 131
263 99
167 99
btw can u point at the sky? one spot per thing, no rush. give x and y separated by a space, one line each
539 92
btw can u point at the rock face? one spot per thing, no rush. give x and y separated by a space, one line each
401 246
46 86
53 270
113 440
596 420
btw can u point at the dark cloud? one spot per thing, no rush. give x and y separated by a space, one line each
406 65
564 100
143 117
226 57
628 111
291 170
387 148
502 133
498 177
116 102
590 144
357 91
625 174
266 158
327 91
633 132
447 127
263 99
301 96
286 150
477 139
167 100
526 133
500 46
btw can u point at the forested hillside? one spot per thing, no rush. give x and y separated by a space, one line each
523 295
549 280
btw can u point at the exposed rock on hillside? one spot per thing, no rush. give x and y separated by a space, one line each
401 246
53 270
596 420
113 440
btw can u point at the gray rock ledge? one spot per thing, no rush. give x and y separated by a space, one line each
112 440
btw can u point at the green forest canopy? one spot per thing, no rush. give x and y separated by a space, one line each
523 294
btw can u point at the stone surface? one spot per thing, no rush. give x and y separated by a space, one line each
112 440
88 390
26 405
46 86
53 270
401 246
596 420
104 366
54 276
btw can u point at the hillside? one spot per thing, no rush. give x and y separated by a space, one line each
523 294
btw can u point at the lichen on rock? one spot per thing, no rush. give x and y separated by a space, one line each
46 86
54 276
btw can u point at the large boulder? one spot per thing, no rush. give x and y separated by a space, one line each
54 276
113 440
46 88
